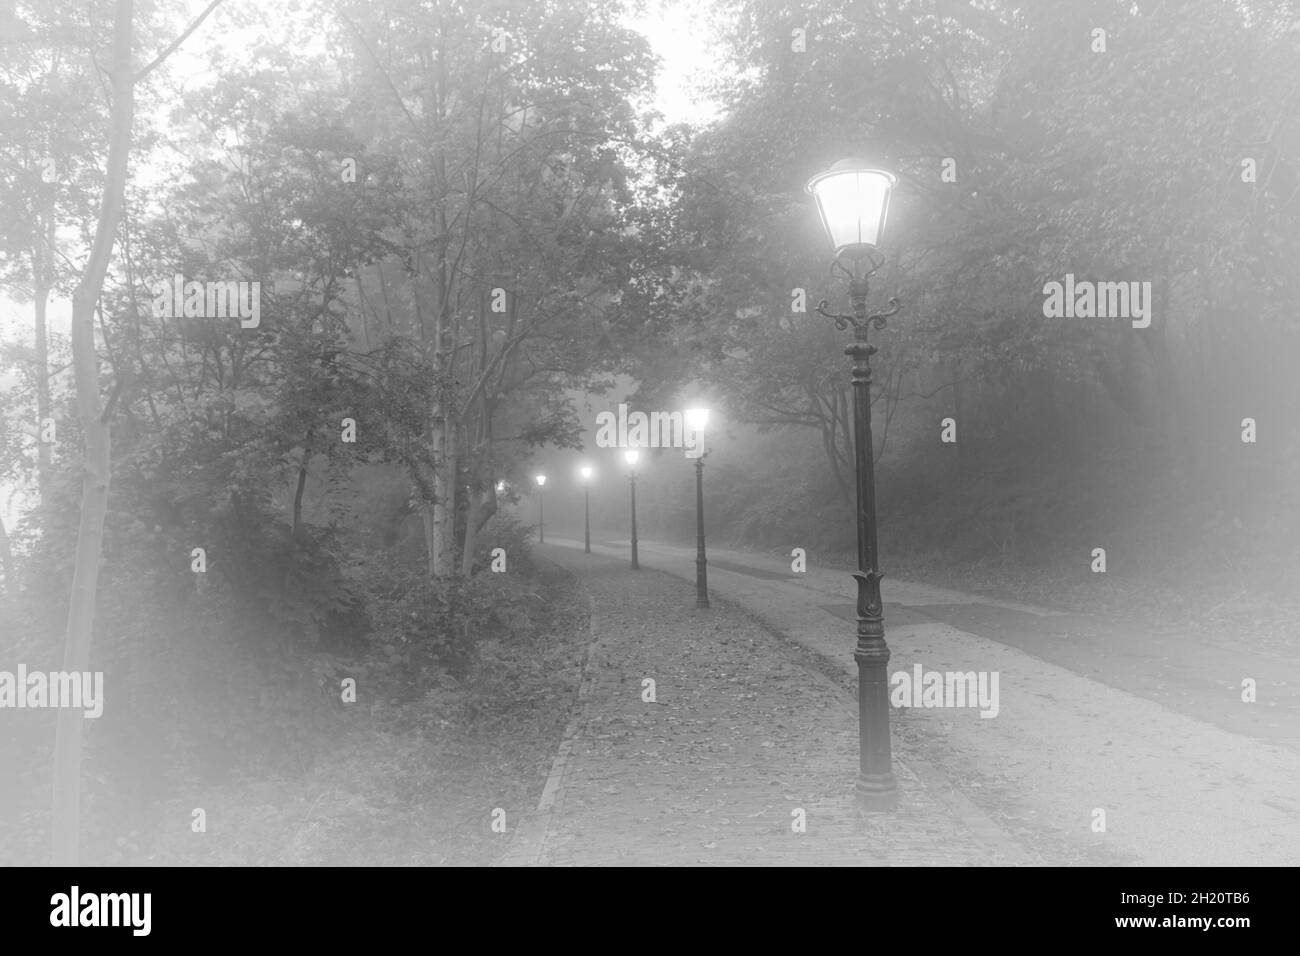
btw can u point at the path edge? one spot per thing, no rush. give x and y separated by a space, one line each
529 843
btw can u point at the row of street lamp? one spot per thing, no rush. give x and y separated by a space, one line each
696 419
853 201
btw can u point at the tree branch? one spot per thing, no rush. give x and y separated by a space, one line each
175 44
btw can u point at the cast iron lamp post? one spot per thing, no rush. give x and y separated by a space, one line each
586 509
697 418
541 509
853 200
631 456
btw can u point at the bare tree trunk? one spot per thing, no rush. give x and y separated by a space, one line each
829 440
1174 434
446 485
446 481
295 536
43 279
958 413
6 558
66 822
471 535
482 507
301 486
440 516
426 516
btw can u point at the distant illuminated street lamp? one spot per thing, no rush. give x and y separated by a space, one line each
853 200
631 456
586 509
541 510
697 418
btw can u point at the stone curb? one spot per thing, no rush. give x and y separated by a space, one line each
529 844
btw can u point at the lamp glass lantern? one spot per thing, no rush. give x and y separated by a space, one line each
697 418
853 201
541 480
586 474
631 456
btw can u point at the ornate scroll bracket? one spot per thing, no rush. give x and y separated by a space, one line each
860 321
859 273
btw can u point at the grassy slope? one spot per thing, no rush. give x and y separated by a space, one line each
376 782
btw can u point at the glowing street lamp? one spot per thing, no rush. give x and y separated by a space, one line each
853 200
541 510
586 508
632 456
697 418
